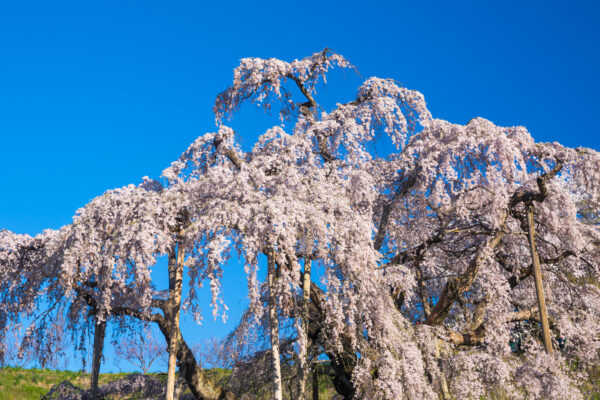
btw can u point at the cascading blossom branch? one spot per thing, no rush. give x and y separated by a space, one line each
440 224
412 273
262 81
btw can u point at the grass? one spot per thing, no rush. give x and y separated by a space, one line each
29 384
32 384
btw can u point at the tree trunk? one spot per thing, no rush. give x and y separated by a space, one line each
99 331
200 387
176 258
537 274
443 380
274 326
178 389
304 336
315 384
189 369
342 360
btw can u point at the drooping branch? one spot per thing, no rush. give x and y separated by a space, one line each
401 190
416 256
343 361
189 369
461 284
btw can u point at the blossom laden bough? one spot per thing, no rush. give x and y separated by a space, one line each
420 282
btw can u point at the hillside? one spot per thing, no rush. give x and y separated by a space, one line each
32 384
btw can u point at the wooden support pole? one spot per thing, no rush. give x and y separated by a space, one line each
537 274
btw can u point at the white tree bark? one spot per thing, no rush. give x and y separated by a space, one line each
274 326
176 258
303 354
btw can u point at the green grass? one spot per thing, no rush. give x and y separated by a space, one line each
25 384
32 384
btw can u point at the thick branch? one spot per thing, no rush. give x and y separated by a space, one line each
456 286
541 194
476 337
311 101
416 254
473 338
531 314
87 296
230 154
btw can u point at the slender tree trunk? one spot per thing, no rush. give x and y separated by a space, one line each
304 336
274 326
537 274
176 258
315 384
303 354
99 331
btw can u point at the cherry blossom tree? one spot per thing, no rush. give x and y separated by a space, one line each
446 223
435 257
100 266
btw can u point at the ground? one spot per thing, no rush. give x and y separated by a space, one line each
33 384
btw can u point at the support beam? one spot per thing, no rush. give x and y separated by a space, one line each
537 275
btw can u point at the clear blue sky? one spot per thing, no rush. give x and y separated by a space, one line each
95 95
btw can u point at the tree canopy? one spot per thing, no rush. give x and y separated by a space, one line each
429 251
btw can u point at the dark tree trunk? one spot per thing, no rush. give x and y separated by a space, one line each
342 362
99 333
315 384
